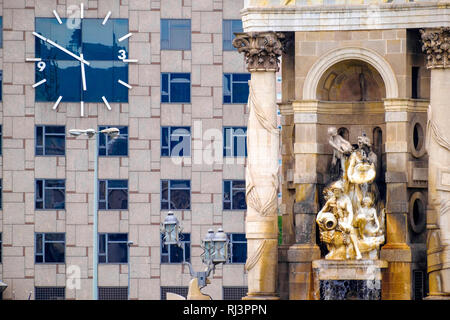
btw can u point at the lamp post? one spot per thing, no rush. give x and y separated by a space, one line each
214 245
129 244
113 133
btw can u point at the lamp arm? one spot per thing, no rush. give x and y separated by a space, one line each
191 269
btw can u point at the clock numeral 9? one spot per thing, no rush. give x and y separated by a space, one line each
122 55
41 65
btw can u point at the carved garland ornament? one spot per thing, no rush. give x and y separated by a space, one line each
436 45
261 49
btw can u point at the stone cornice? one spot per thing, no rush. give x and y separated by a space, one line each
262 49
347 17
436 45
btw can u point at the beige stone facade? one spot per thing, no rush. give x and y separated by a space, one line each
143 168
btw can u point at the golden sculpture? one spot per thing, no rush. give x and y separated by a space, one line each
348 222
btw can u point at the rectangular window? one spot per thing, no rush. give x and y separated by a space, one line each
113 194
234 141
175 194
234 293
1 81
1 244
1 135
113 293
229 28
1 194
50 247
175 34
101 44
49 293
174 254
182 291
235 87
175 87
1 32
238 248
234 195
118 146
50 194
50 140
113 248
175 141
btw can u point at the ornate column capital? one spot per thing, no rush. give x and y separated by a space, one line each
436 45
261 49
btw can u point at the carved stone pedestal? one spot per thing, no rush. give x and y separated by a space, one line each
349 279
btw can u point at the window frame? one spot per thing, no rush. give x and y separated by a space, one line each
107 140
230 201
169 191
107 241
232 81
170 45
44 188
44 136
107 181
1 247
44 242
228 30
175 247
169 147
232 138
169 81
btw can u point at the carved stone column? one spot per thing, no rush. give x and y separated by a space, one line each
436 45
262 51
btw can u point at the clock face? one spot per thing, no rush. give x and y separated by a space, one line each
81 60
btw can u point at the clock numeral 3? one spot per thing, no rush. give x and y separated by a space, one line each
122 55
41 65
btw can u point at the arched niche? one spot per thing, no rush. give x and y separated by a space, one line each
351 81
335 56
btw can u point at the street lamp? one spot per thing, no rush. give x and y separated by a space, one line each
214 245
112 133
171 230
129 244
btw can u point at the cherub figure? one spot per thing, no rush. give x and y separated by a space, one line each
366 220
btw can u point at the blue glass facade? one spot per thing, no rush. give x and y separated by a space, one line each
99 45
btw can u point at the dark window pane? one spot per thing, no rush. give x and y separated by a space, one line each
39 259
240 92
238 237
117 183
102 243
117 253
118 237
180 184
54 199
239 200
117 199
180 199
54 252
55 237
102 259
55 145
180 88
39 140
241 77
176 254
175 34
239 252
39 243
238 184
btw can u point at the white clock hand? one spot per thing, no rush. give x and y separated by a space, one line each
60 48
83 75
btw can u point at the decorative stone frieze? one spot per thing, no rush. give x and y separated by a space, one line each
261 49
436 45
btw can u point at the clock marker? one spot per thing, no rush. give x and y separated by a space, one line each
125 37
33 59
39 83
82 108
106 18
130 60
106 103
83 75
125 84
57 103
82 10
57 16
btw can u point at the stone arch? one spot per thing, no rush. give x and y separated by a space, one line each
332 57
